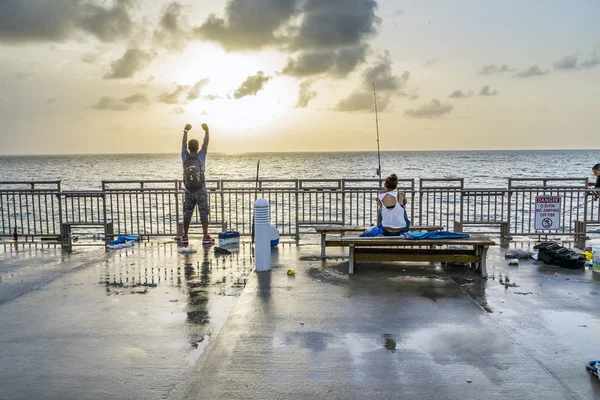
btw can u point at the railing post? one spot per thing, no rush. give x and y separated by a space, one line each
222 195
296 194
343 187
509 205
177 207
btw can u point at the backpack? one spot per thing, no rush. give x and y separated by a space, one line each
193 174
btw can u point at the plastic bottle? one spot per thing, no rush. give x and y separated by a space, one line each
596 259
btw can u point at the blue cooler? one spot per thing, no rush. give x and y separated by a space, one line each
274 233
229 237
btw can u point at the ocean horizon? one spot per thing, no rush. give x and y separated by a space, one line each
489 168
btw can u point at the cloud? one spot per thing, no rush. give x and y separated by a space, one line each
459 94
574 63
382 76
137 98
335 23
386 85
495 69
486 91
90 58
112 104
252 85
331 33
305 94
248 25
109 103
108 25
433 109
178 110
530 72
172 31
55 21
338 63
175 96
361 101
132 61
211 97
431 62
194 92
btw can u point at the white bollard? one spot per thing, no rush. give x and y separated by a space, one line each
262 235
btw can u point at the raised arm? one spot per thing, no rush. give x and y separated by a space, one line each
206 137
184 140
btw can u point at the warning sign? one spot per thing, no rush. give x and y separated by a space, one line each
547 213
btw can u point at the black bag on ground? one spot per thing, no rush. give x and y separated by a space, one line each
555 254
193 175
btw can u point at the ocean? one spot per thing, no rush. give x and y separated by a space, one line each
480 169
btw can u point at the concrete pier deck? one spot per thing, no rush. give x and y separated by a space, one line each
150 323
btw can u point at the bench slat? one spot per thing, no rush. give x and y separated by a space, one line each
375 250
391 241
462 258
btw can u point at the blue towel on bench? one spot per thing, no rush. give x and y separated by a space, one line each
435 235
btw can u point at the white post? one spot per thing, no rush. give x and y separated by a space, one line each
262 235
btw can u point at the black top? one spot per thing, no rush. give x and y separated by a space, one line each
597 182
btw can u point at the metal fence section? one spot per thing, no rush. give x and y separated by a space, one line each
155 208
33 208
521 207
440 202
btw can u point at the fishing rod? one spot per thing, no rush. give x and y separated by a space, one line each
595 194
378 172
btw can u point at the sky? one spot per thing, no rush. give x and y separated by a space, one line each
125 76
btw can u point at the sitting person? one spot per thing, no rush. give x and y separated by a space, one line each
391 214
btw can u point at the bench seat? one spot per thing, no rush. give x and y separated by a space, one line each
324 230
425 250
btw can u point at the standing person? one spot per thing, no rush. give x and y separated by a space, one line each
596 172
194 165
596 185
391 213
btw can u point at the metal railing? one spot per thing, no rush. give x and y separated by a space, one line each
154 208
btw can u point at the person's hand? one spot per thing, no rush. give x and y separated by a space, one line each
205 127
187 128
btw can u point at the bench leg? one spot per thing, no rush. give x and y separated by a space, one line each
323 245
504 234
351 262
482 262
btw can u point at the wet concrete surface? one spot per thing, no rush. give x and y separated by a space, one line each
406 331
128 324
149 323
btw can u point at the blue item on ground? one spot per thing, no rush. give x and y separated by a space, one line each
593 367
372 232
436 235
229 237
123 239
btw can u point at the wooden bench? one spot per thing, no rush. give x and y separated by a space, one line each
323 230
65 232
385 248
503 225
